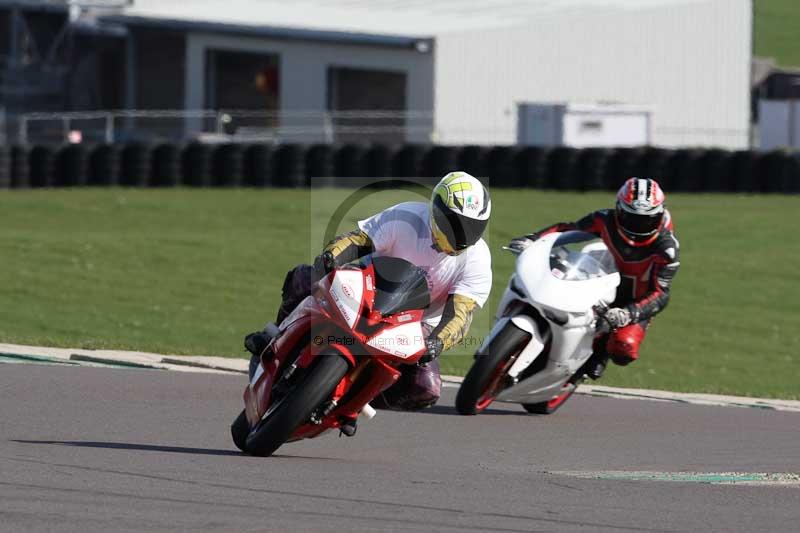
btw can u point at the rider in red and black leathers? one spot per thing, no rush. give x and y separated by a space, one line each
646 255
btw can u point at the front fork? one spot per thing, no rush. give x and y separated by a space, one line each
532 350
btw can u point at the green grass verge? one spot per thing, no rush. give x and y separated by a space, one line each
191 271
777 32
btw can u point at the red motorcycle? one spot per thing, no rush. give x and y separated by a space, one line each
334 353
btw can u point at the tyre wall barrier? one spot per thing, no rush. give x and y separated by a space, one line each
320 165
257 165
227 165
41 162
292 165
500 166
439 160
408 161
104 165
19 167
349 165
531 167
196 165
71 166
166 171
5 168
288 166
472 159
135 165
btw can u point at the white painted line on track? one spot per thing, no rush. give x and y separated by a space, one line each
779 479
675 397
227 365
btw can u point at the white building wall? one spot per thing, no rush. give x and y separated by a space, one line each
304 69
689 62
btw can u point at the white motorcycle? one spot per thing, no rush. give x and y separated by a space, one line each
546 322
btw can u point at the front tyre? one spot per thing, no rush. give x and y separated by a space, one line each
296 407
485 379
239 431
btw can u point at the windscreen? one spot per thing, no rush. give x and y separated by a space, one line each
578 256
399 286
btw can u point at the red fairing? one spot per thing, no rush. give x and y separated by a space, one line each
326 322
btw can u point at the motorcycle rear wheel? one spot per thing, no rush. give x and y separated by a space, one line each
550 407
296 407
483 381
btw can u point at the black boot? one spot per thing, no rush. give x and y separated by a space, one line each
595 365
348 427
257 342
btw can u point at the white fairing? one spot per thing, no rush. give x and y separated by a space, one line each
401 341
346 290
565 304
547 290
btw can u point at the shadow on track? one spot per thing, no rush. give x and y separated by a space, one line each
450 410
157 448
131 446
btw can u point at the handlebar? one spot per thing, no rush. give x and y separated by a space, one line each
512 250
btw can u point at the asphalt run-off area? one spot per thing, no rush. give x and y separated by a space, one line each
131 449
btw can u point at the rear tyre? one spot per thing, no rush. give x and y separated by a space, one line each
550 407
296 407
239 431
484 381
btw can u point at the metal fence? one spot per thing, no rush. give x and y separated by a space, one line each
389 127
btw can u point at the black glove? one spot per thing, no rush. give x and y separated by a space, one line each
324 263
434 347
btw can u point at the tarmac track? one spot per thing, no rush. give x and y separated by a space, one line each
98 449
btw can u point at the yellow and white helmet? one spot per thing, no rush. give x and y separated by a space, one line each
460 209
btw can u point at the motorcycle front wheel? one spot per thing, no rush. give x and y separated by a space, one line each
239 431
296 407
485 379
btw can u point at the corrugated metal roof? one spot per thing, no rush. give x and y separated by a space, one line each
406 18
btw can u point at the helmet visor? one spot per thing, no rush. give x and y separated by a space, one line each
459 231
637 225
441 242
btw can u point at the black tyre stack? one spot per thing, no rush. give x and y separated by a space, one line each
500 167
136 160
349 165
5 168
292 165
196 164
257 165
408 162
289 166
71 166
166 169
531 165
228 165
104 165
19 167
440 160
41 161
320 165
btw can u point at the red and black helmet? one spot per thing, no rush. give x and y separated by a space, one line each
640 211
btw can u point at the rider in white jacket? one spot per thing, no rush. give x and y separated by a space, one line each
443 237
